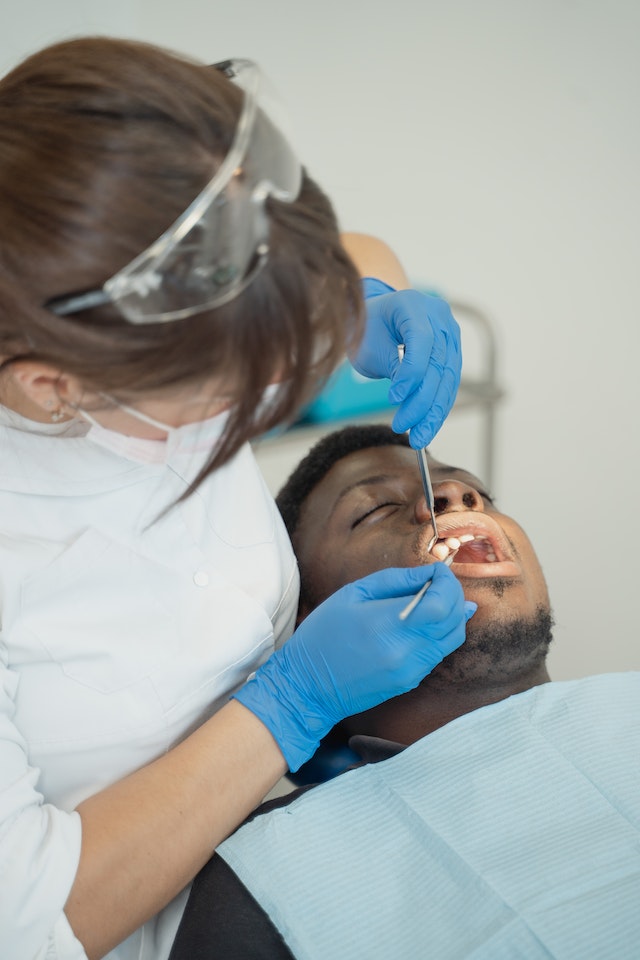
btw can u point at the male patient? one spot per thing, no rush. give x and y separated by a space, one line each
504 819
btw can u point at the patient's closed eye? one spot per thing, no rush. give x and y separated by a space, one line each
372 510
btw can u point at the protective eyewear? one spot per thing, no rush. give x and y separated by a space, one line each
217 246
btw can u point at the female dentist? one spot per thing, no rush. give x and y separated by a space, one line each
172 284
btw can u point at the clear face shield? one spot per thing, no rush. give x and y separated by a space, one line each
221 241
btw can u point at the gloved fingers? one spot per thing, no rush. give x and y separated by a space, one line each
376 366
426 410
416 409
423 433
434 629
425 325
452 635
440 609
405 317
423 411
442 606
393 582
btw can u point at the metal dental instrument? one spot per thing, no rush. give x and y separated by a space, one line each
413 603
428 492
423 465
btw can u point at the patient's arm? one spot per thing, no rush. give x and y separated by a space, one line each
373 258
222 919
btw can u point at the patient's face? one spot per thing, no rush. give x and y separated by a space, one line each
369 512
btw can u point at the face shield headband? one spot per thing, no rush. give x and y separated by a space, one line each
221 241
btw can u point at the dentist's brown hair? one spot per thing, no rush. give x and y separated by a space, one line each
103 143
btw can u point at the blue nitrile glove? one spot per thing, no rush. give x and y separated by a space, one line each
425 384
353 652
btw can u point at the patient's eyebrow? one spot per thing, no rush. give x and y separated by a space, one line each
362 482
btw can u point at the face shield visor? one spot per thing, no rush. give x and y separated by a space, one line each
221 241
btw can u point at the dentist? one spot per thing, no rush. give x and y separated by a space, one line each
172 285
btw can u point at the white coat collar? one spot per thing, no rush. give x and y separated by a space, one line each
52 459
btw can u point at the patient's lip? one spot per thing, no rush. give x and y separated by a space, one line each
482 528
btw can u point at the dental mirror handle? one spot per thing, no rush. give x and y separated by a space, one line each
413 603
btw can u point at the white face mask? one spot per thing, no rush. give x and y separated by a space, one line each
184 448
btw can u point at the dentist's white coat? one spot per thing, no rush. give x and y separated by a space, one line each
118 637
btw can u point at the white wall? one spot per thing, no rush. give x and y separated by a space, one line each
496 146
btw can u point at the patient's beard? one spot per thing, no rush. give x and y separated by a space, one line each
498 651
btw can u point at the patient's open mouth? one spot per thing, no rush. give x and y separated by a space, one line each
479 545
475 550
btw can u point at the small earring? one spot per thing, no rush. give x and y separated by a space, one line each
58 414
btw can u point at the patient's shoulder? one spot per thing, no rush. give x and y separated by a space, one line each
238 928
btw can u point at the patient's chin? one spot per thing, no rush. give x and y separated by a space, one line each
497 651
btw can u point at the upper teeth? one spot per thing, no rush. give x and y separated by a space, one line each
452 545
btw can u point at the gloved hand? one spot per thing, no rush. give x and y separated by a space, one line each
353 652
425 384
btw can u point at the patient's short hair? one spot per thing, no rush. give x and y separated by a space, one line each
322 456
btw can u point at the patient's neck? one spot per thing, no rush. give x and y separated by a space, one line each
437 701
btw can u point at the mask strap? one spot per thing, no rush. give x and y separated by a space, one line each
87 416
136 414
146 419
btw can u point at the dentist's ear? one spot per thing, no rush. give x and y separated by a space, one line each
44 385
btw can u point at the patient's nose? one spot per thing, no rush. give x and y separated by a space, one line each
452 495
449 495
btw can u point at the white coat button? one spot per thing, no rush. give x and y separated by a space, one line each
200 578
